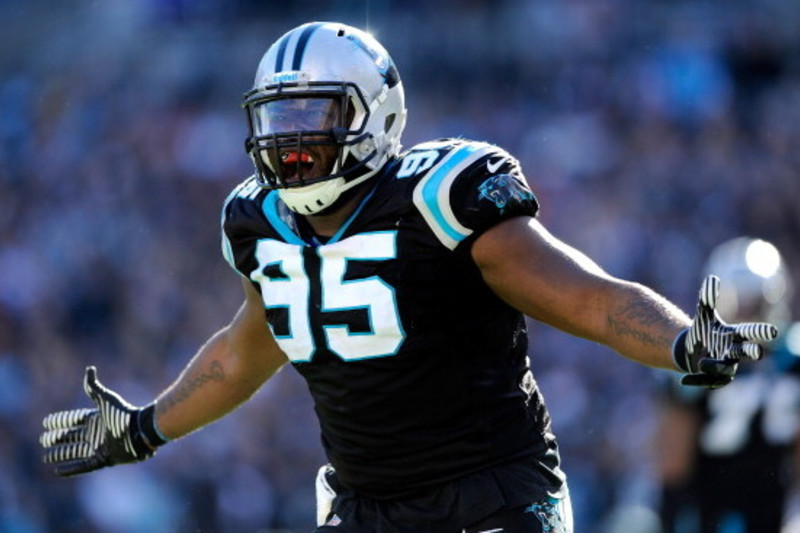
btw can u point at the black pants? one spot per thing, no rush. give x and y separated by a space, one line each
548 515
511 499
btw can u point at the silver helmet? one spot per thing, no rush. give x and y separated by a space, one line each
754 282
325 114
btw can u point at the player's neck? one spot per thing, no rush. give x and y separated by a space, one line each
328 224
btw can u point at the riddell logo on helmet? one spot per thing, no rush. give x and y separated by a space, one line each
287 77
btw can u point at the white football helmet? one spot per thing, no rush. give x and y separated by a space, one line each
754 282
323 84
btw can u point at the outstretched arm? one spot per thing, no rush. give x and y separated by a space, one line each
552 282
225 372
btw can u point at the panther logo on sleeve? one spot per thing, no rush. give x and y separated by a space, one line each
503 188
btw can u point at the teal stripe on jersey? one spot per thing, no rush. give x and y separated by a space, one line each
270 208
227 251
432 196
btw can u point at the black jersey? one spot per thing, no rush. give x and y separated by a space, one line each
418 371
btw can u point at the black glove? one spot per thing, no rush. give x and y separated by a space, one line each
710 350
114 432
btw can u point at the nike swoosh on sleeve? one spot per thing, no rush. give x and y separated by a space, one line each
493 167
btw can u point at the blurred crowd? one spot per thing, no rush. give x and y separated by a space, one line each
649 130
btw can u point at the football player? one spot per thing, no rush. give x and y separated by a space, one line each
396 284
727 455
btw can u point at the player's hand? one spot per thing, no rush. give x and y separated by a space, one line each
113 432
710 350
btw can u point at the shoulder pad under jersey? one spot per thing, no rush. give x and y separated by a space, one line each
239 209
465 187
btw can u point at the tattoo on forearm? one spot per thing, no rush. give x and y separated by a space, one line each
635 320
188 386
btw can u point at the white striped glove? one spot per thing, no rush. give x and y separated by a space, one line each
710 350
114 432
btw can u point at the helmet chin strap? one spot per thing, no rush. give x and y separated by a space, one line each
312 199
319 197
344 197
316 198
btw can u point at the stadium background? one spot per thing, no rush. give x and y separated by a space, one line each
650 131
